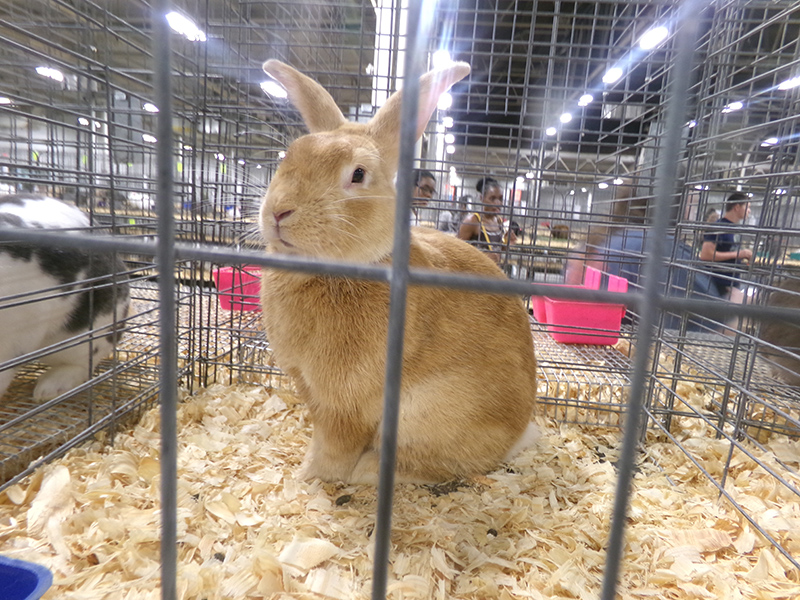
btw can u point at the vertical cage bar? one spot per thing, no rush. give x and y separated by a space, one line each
168 366
666 172
397 303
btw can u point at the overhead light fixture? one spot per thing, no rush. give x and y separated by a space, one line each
613 75
441 59
219 156
150 107
273 88
241 161
83 121
733 106
565 117
530 175
447 122
150 139
445 101
789 83
602 185
769 142
450 149
258 166
583 190
585 100
653 37
187 147
282 154
5 100
185 26
691 124
449 139
50 73
520 180
617 181
551 131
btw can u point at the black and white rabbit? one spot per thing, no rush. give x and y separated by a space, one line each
34 316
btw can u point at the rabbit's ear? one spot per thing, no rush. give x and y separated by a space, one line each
315 104
385 125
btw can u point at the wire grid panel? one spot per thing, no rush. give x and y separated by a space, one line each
574 146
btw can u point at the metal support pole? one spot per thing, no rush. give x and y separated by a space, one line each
165 260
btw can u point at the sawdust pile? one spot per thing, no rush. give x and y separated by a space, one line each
248 529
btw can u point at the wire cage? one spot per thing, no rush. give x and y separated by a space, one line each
611 129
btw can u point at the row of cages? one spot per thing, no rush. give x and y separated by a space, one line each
565 107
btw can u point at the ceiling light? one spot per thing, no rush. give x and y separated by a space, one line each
150 107
241 161
789 83
769 142
603 185
441 59
520 180
4 100
617 181
583 190
565 118
258 166
185 26
83 121
530 175
613 75
447 122
450 149
585 100
219 156
150 139
733 106
273 88
551 131
449 138
692 124
50 73
653 38
282 154
445 101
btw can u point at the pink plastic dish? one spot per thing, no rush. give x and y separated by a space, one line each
580 322
239 287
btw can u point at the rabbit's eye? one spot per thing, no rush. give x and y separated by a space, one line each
358 175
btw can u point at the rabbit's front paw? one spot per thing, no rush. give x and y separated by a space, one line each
58 380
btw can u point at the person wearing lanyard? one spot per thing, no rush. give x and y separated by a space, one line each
484 228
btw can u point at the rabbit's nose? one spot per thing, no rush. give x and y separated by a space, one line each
280 216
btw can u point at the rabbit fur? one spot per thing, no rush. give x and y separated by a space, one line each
34 316
469 370
785 336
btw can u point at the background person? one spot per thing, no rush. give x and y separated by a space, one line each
484 228
424 191
720 247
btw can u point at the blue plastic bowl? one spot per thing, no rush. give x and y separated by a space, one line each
22 580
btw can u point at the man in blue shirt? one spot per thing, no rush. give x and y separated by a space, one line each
720 246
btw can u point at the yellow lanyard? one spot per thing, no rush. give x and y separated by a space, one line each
486 235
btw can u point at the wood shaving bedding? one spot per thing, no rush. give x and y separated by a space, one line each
247 528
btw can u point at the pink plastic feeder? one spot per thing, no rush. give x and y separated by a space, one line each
239 287
580 322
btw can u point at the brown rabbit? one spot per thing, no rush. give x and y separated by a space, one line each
783 335
469 372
